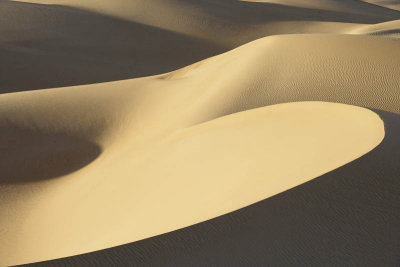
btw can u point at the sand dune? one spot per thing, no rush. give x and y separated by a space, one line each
391 29
52 46
58 44
273 70
245 148
347 217
392 4
123 120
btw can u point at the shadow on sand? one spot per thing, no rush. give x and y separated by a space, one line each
348 217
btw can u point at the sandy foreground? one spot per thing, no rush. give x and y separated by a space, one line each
197 128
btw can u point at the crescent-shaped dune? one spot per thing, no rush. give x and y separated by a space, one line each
163 120
226 164
346 217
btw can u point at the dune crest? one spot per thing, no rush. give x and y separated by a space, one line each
121 120
128 195
49 43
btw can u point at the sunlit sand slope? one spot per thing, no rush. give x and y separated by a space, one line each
68 42
129 193
299 67
347 217
123 120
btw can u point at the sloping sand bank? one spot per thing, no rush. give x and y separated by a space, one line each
123 120
226 164
347 217
130 133
68 42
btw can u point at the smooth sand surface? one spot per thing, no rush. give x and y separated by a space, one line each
51 43
247 99
131 193
347 217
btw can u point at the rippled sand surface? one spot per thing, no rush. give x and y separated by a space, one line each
197 132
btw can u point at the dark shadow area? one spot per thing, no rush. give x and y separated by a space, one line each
29 155
386 32
259 12
47 46
348 217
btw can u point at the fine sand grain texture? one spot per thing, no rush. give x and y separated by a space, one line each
200 132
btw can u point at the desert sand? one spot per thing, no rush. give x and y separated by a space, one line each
164 120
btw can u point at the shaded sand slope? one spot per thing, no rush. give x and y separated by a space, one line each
61 44
356 7
273 70
225 20
392 4
52 46
99 165
348 217
391 28
129 193
135 130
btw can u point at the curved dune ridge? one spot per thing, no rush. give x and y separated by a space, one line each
389 29
48 43
347 217
123 120
227 163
